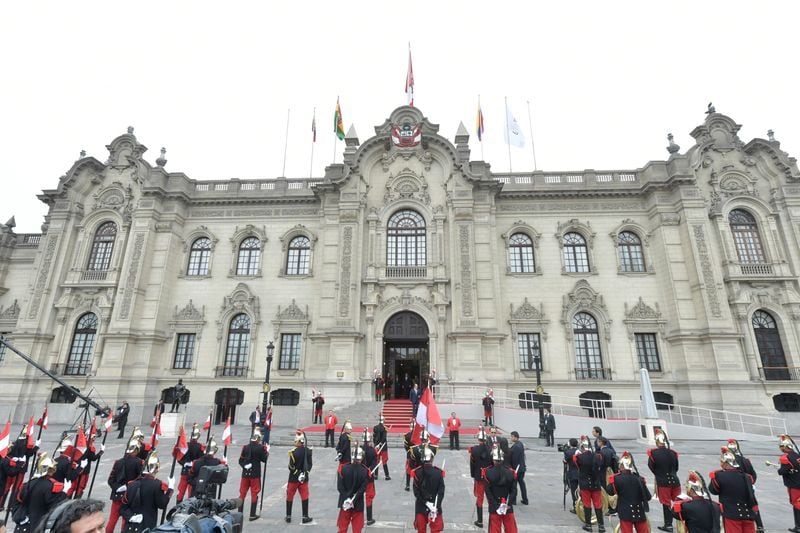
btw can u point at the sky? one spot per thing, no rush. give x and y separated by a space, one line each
213 82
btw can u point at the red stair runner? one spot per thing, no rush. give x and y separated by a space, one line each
397 413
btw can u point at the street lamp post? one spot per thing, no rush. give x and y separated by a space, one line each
267 391
537 361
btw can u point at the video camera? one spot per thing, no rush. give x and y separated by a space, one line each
201 513
563 446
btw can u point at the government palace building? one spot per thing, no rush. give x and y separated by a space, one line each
412 258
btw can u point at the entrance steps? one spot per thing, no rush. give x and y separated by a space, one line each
397 413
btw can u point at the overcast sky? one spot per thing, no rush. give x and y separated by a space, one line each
212 82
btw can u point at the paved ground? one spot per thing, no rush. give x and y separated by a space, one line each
394 507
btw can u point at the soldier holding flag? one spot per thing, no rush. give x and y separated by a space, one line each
300 464
428 494
253 454
144 497
194 450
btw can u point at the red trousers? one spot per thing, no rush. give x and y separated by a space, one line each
293 487
113 516
738 526
384 456
12 483
350 517
591 498
794 497
370 493
184 488
667 495
630 527
79 485
500 522
421 523
477 491
253 484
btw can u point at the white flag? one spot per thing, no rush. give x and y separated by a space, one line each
513 134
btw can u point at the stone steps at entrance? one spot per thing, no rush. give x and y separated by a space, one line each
397 413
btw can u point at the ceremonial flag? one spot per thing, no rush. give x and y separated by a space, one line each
80 445
93 428
5 439
43 421
428 418
108 422
268 419
156 434
182 447
207 423
479 122
314 128
226 433
410 79
338 125
513 135
31 440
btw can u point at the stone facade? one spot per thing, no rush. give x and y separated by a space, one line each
695 295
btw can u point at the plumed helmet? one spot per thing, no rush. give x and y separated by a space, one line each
134 445
696 484
626 461
481 434
427 454
424 436
785 441
300 437
137 433
585 444
256 436
727 458
367 436
487 393
195 431
411 424
65 443
348 426
660 437
211 447
497 454
733 446
45 465
381 418
356 453
152 464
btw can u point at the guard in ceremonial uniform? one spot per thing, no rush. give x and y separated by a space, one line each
253 454
207 459
39 495
789 470
590 481
371 462
698 513
428 494
124 470
299 466
500 486
663 463
344 444
381 445
571 472
488 409
144 447
479 458
14 465
633 496
415 452
352 484
747 467
91 456
144 497
318 402
195 450
67 467
407 444
736 496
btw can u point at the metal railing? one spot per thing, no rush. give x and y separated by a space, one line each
28 240
73 368
779 373
231 372
583 374
557 178
413 272
253 186
94 275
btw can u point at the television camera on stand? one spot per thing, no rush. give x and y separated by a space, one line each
203 514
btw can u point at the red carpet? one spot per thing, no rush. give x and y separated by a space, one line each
320 428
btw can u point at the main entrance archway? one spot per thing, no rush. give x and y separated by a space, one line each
405 352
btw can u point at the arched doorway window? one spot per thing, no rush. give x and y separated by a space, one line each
405 245
102 246
588 357
405 353
745 236
79 361
768 340
238 346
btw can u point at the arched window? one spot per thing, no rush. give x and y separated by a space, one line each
249 256
768 339
631 258
406 239
588 359
198 257
79 360
237 347
102 246
299 258
520 253
576 256
746 237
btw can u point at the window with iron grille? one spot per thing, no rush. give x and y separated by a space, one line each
249 256
79 360
529 351
405 241
237 347
746 237
631 258
199 257
647 351
576 255
588 357
184 351
102 247
520 253
298 260
290 352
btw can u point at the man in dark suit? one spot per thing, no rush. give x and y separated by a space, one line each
414 396
122 418
518 465
549 428
500 442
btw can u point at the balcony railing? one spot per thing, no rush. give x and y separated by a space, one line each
28 240
231 371
735 269
407 272
94 275
593 373
779 373
73 368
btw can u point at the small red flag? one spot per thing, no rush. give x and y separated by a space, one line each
182 447
108 422
156 434
43 421
227 437
207 423
80 444
93 429
5 436
31 440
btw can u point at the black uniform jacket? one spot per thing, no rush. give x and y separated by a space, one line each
352 482
370 461
299 461
634 496
663 463
590 470
517 457
145 496
379 435
124 470
38 497
428 487
572 468
735 490
194 451
479 458
66 469
698 514
343 448
500 485
253 454
206 460
790 470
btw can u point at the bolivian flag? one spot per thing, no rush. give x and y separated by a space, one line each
338 126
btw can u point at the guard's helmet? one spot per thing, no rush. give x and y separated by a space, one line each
497 454
696 485
411 424
348 426
45 465
733 446
487 393
727 458
134 445
381 418
356 453
626 461
137 433
211 447
424 436
299 437
786 443
152 464
256 436
660 437
367 436
585 444
481 434
65 443
195 431
427 454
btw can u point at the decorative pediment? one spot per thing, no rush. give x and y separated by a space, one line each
116 197
11 312
642 311
292 312
189 313
406 185
125 149
643 318
583 296
242 300
406 300
527 312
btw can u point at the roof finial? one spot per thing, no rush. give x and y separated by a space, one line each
12 223
130 130
83 154
672 148
771 135
711 109
161 161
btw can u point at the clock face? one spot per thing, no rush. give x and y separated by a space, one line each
266 388
539 389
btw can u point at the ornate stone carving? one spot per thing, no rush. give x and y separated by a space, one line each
189 313
43 275
466 270
407 185
292 312
406 300
241 300
583 296
130 282
642 311
670 219
11 312
526 312
707 271
609 205
344 275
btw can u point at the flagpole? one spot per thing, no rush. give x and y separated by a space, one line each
480 125
39 439
533 147
97 466
313 141
335 123
285 143
208 433
508 138
171 472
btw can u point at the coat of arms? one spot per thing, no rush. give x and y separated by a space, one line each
406 136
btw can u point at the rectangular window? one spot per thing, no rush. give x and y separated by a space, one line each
184 351
647 350
290 352
529 351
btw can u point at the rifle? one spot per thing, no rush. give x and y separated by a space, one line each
263 479
566 487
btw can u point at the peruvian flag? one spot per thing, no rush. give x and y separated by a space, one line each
226 433
5 439
108 422
43 421
410 80
156 434
428 418
182 447
93 429
31 440
80 443
207 423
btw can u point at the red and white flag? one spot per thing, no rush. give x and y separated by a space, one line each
93 428
226 433
156 434
428 418
410 80
182 447
80 444
43 421
31 440
207 423
5 439
108 422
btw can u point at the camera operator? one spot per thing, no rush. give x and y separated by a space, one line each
144 497
207 460
570 470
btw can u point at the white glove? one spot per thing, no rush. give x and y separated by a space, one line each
136 519
267 445
301 477
502 509
431 507
67 486
248 466
171 483
348 504
38 442
84 463
123 488
224 459
102 447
